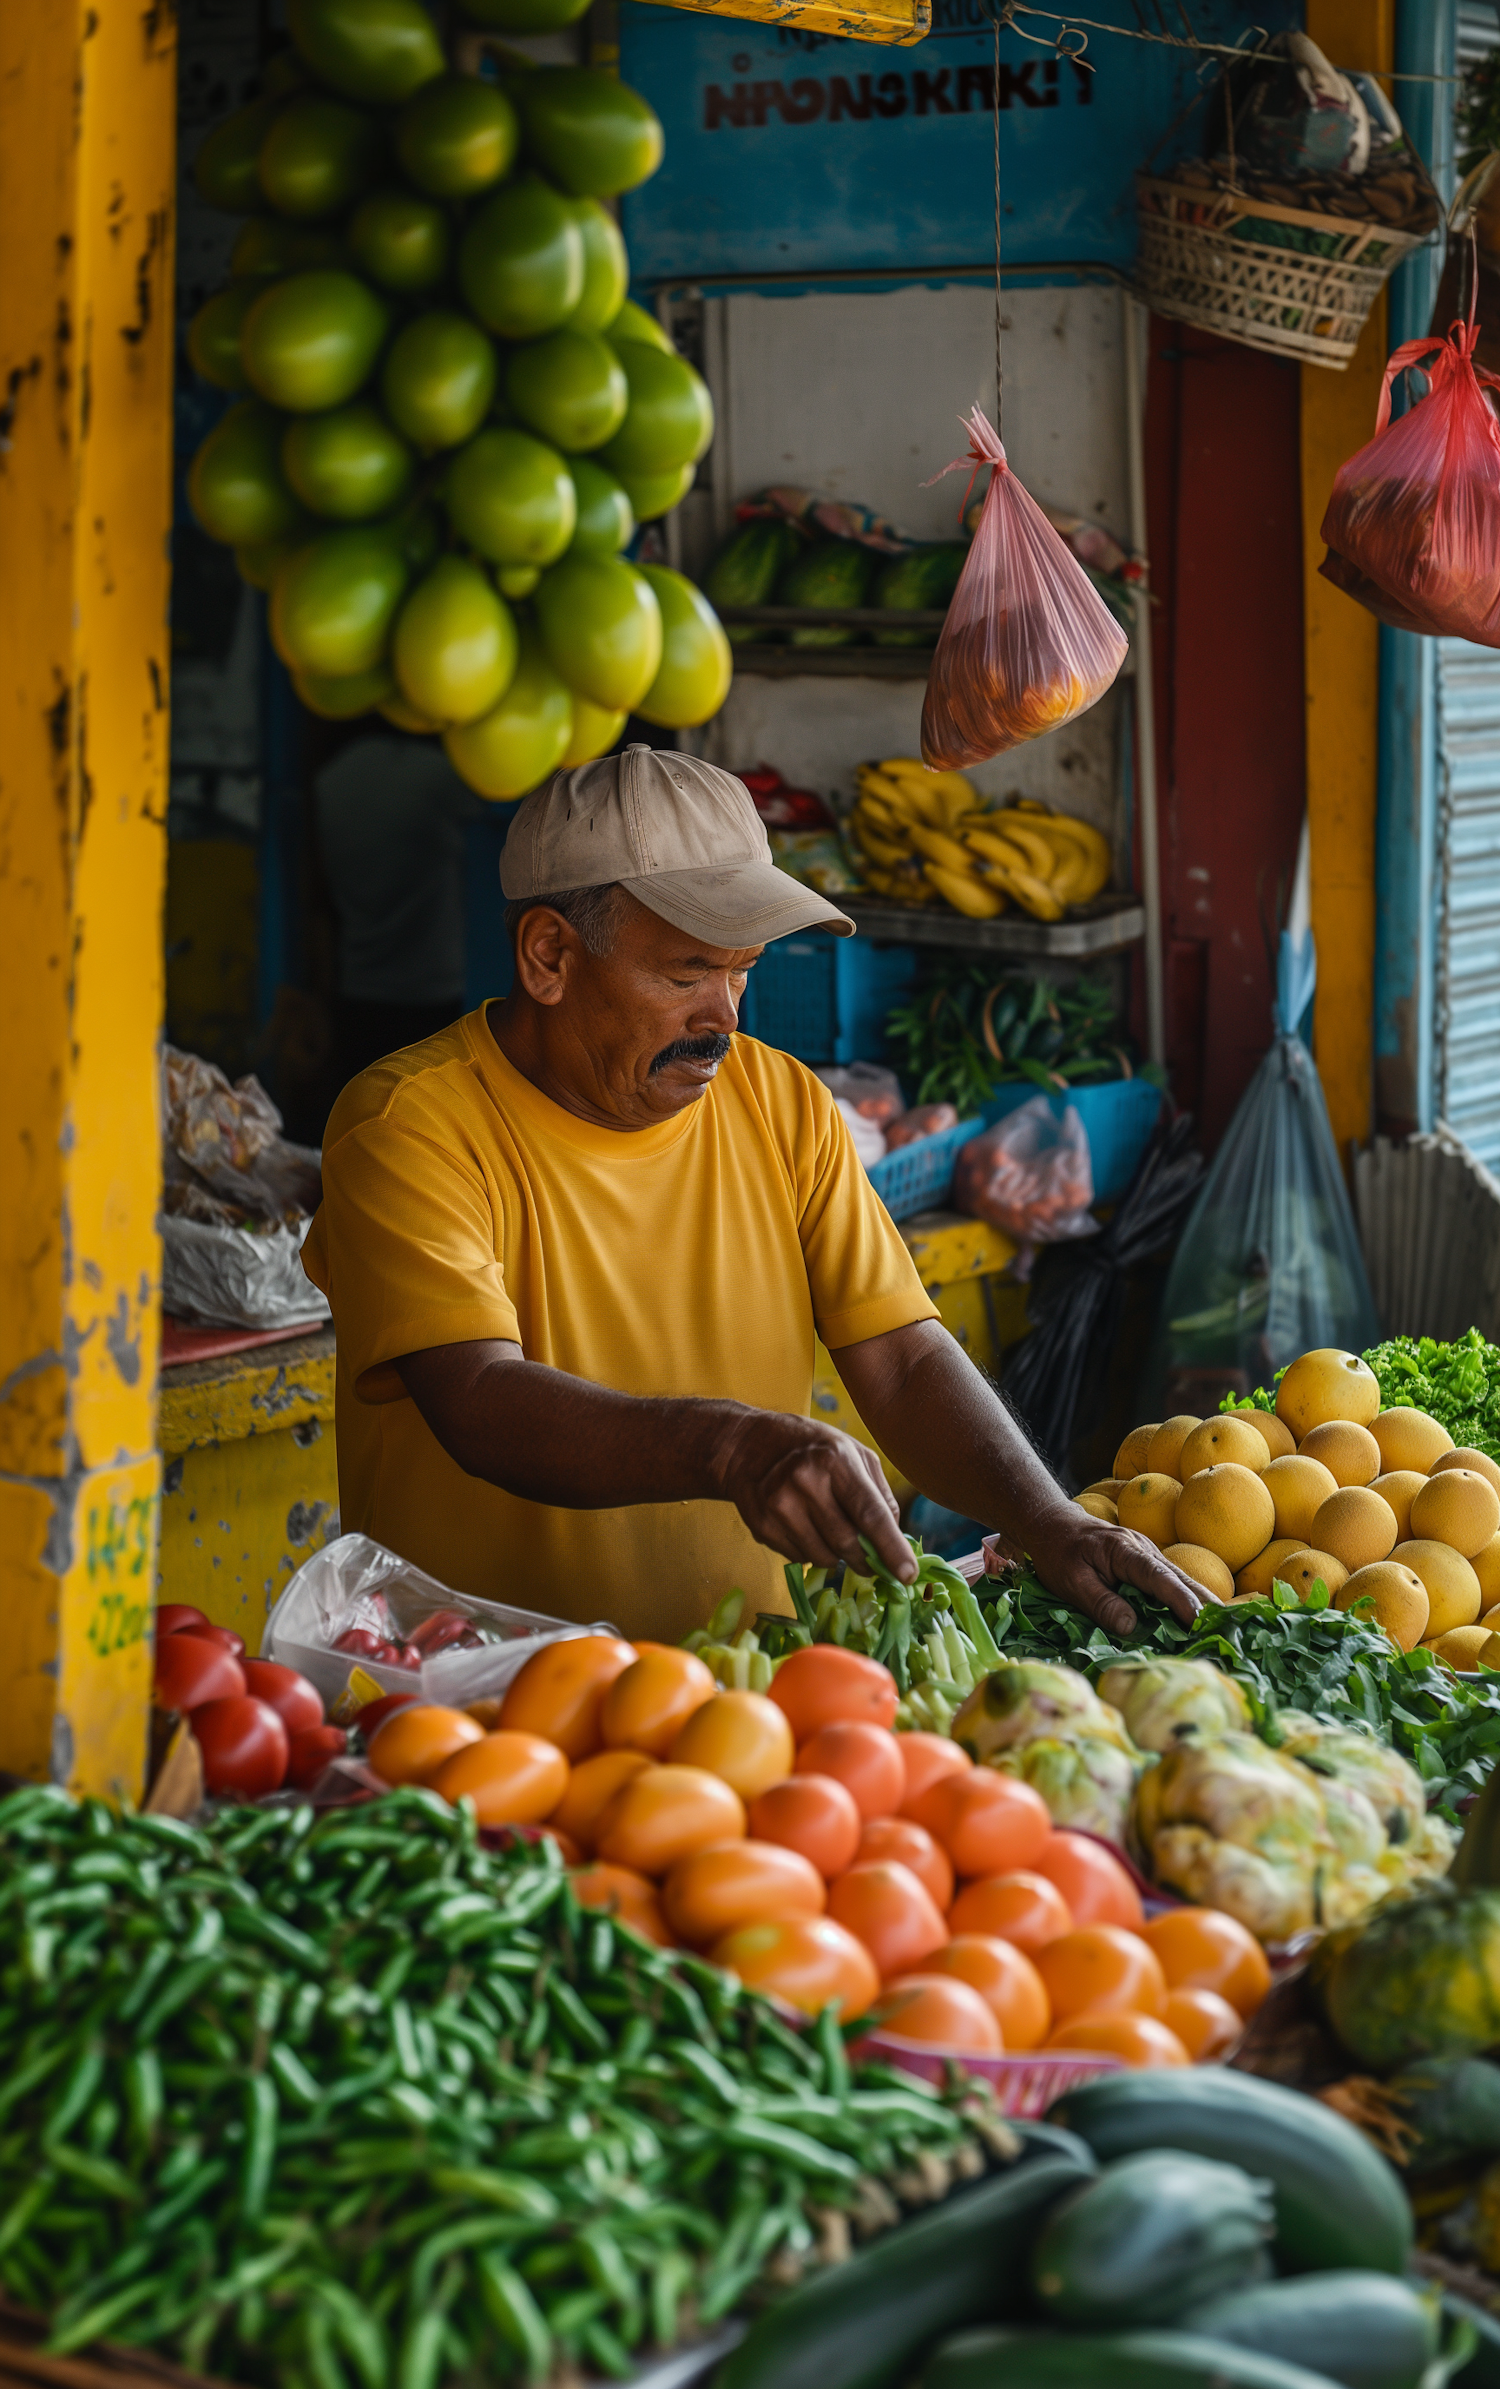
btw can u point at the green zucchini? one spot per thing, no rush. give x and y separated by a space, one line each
1338 2203
867 2324
1153 2234
1364 2329
1107 2360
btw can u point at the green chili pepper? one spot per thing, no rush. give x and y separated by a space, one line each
514 2312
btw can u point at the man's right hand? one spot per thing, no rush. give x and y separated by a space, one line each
809 1491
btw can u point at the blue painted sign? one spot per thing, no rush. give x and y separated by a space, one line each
791 151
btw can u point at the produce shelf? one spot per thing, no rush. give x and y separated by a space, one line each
1106 926
775 661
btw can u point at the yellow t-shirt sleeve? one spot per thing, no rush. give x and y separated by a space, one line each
404 1247
864 1281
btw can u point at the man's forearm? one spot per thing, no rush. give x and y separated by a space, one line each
940 1420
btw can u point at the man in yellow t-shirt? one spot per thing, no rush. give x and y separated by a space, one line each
578 1247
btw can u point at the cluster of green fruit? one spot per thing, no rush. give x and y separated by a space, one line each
453 418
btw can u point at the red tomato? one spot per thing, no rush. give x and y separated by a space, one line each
884 1906
373 1715
939 2011
1092 1881
809 1961
818 1686
866 1759
190 1671
813 1815
987 1822
294 1700
244 1746
172 1616
926 1757
315 1748
911 1845
224 1636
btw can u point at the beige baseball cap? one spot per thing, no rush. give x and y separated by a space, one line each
681 835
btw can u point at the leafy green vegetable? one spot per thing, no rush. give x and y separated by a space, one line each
1459 1384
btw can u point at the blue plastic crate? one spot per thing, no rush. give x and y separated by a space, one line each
825 998
1118 1118
919 1177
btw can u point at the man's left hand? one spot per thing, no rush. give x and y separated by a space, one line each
1083 1559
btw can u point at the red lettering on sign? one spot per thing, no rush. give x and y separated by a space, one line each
891 96
931 92
842 102
723 107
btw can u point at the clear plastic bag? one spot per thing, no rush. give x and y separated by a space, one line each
1028 642
928 1119
1030 1175
867 1089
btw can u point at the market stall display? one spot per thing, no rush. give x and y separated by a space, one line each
925 836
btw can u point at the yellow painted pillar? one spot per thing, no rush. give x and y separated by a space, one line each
87 109
1342 669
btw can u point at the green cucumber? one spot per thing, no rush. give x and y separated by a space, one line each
1153 2234
1107 2360
1338 2203
1364 2329
866 2324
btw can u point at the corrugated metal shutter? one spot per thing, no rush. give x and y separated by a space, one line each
1468 991
1476 31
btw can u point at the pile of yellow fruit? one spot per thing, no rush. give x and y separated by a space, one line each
926 836
1379 1504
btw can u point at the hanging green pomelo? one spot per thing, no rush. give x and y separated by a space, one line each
269 245
523 738
633 323
260 562
595 730
526 16
213 340
400 240
402 716
569 388
654 494
697 665
226 165
347 463
516 580
235 483
509 496
335 600
455 646
380 51
318 157
439 378
309 342
342 699
606 268
605 521
601 627
457 137
670 419
520 262
589 131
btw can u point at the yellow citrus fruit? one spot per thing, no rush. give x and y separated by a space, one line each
1324 1385
1453 1596
1204 1566
1229 1511
1098 1505
1397 1598
1457 1506
1130 1459
1349 1453
1356 1526
1298 1488
1274 1432
1303 1569
1398 1487
1486 1566
1267 1565
1465 1456
1108 1486
1410 1439
1149 1504
1465 1648
1222 1439
1167 1442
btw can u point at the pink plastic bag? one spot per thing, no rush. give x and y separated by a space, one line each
1413 525
1028 642
1030 1175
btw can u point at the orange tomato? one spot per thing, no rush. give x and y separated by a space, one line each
623 1893
988 1823
1021 1908
649 1702
735 1883
926 1757
809 1961
913 1845
1006 1978
818 1686
1206 2025
938 2011
512 1779
486 1714
666 1813
742 1736
864 1758
1101 1966
1117 2032
885 1907
1202 1949
591 1787
560 1691
1092 1881
812 1814
414 1743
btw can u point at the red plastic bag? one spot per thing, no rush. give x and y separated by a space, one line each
1413 525
1028 642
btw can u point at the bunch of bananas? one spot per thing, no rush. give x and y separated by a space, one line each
924 837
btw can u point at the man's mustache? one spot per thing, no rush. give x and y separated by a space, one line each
690 1049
